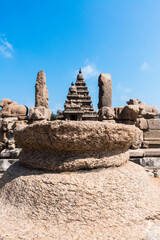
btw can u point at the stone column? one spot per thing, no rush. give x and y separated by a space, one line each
106 112
41 110
41 94
105 90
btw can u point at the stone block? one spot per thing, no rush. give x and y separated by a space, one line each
154 124
13 153
142 123
39 113
152 152
6 163
152 135
136 152
151 144
152 161
106 113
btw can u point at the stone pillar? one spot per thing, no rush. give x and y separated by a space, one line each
105 90
41 110
106 112
41 94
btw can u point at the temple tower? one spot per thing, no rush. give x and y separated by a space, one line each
78 105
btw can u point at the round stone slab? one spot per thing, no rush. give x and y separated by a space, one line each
74 145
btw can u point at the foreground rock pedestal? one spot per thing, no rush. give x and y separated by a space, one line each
101 197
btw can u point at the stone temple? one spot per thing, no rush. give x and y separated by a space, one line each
78 105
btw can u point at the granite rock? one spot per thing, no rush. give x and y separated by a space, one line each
113 203
41 94
39 113
72 145
106 113
12 109
105 90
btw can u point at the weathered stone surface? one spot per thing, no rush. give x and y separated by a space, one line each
41 94
106 113
113 203
39 113
154 124
129 112
149 112
105 90
6 163
12 109
152 161
138 139
152 135
133 101
136 153
151 144
78 105
63 145
13 153
142 123
152 152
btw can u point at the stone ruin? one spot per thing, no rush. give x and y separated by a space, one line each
74 180
41 110
146 150
78 105
13 115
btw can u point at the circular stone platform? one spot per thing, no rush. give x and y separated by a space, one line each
74 145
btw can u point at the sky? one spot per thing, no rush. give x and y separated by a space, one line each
120 37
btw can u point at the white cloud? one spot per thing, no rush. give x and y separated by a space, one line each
122 89
144 66
89 71
6 49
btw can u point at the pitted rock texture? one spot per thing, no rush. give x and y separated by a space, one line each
41 95
114 203
69 146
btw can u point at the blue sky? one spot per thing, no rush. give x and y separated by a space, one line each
120 37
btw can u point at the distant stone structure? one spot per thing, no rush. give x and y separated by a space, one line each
78 105
41 110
